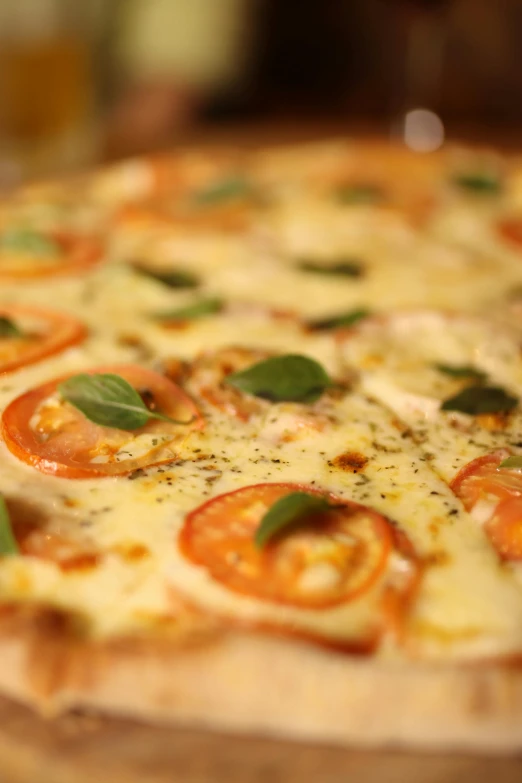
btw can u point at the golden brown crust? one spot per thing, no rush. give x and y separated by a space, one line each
226 679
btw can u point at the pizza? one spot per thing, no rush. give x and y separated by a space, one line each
261 444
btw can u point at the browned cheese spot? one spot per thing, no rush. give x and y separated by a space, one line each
349 460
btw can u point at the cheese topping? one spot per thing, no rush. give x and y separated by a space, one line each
468 603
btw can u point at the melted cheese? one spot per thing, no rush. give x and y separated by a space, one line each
468 603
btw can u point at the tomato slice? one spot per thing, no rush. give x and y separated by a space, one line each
494 496
176 196
53 436
415 196
510 229
328 560
43 333
50 538
74 253
209 371
192 171
68 554
233 216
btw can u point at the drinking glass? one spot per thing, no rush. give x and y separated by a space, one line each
420 27
48 100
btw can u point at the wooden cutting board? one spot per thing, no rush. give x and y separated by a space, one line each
87 749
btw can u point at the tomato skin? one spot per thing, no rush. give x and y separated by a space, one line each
169 204
70 459
68 554
479 468
505 529
157 215
352 539
79 253
483 480
65 331
510 230
209 372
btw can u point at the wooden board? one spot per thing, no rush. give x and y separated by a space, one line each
88 749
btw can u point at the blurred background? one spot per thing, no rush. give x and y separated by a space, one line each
101 79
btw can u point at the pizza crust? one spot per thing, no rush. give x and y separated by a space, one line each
227 679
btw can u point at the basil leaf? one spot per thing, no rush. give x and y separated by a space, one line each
358 194
8 544
292 509
8 328
172 278
291 378
476 182
109 400
340 268
461 371
196 310
224 190
26 241
349 318
480 399
515 463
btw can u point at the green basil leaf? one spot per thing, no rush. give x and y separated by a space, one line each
349 318
8 545
27 241
224 190
515 463
461 371
477 182
292 378
8 328
188 313
172 278
293 509
337 268
480 399
109 400
358 194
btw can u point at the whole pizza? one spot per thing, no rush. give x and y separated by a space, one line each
261 444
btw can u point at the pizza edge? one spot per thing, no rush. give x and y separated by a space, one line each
247 682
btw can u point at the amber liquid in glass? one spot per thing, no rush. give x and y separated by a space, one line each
45 87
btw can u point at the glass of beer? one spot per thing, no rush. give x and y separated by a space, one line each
48 100
420 31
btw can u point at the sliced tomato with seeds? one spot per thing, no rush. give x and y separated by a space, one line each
329 559
493 496
42 333
61 253
40 428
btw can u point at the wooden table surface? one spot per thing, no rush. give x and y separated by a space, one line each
86 749
289 131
